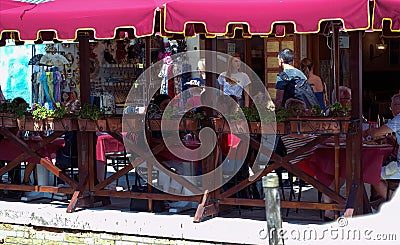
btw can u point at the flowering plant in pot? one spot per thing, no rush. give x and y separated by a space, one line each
91 118
61 119
43 117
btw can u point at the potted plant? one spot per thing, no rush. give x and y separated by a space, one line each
10 111
189 122
61 119
267 123
336 121
278 124
236 122
34 120
91 118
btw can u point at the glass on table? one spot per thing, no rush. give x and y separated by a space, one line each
373 125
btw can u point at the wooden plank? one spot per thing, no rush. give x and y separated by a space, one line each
92 164
210 210
84 64
43 161
36 188
337 163
118 174
248 182
351 199
58 172
140 195
284 204
283 162
314 182
200 209
349 163
149 187
23 145
77 193
256 145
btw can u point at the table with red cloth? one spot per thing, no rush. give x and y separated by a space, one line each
322 162
106 144
9 150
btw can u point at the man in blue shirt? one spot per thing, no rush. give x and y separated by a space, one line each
285 62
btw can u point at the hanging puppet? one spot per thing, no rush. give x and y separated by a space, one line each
164 72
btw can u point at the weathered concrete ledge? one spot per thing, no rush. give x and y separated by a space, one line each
179 227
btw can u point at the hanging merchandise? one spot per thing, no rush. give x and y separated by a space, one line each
54 73
44 84
53 58
35 60
68 74
57 78
165 71
56 60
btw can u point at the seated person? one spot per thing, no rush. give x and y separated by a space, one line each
195 88
155 111
345 100
344 96
393 126
67 156
235 165
292 142
231 150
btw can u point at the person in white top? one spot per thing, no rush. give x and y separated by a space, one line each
232 81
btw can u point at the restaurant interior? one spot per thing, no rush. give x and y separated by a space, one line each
104 72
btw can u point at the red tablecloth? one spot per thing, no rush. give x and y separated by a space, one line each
166 155
322 162
106 144
9 150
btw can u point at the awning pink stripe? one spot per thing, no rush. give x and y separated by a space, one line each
67 16
386 9
261 14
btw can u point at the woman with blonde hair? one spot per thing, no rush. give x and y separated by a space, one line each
319 88
232 81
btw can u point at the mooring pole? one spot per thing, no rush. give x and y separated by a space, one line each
273 209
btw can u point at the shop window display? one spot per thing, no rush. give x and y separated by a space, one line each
51 71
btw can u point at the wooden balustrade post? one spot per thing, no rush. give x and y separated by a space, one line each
273 208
